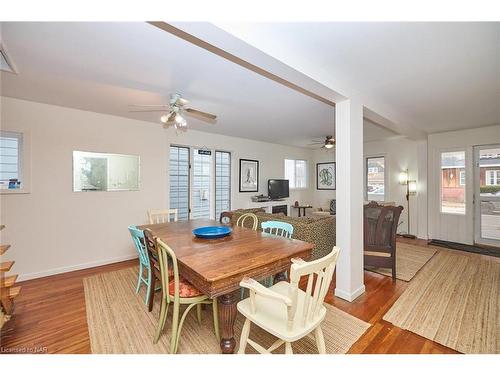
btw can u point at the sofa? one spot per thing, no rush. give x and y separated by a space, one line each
323 211
319 231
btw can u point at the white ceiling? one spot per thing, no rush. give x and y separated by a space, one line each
104 67
433 76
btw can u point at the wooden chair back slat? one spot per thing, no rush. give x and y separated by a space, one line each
138 238
380 226
241 220
323 269
278 228
163 216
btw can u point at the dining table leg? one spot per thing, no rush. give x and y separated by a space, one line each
227 315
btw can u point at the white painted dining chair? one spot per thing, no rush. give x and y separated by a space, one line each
162 216
284 310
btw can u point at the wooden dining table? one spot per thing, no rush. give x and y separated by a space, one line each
217 266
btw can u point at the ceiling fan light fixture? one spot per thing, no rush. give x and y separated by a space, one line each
164 118
329 145
179 119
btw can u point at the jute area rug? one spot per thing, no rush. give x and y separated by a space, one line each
119 322
409 260
454 300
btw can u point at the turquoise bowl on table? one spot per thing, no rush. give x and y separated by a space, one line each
212 232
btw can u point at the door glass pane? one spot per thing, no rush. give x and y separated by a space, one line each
202 168
179 180
222 182
453 182
489 185
489 172
490 220
375 179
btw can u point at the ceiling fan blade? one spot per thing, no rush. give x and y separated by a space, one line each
147 110
200 113
181 102
149 105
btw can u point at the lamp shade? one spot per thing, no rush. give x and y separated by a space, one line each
412 187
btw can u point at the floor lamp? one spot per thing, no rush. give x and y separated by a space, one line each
411 189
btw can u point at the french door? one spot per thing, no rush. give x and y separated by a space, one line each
487 195
200 182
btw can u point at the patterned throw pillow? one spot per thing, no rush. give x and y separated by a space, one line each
333 207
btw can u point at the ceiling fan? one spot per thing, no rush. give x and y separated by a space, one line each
174 112
327 143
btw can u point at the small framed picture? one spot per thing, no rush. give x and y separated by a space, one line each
325 176
249 176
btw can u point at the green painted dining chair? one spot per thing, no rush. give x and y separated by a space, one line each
144 263
178 291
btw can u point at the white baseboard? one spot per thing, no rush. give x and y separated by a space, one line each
350 296
55 271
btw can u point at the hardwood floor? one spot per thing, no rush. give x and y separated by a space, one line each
50 316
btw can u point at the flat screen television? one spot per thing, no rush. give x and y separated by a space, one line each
278 189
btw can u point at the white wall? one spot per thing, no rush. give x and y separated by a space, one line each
322 198
52 229
452 227
399 153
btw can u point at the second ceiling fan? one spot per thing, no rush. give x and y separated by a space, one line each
328 143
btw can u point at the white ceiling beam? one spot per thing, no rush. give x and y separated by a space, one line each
226 45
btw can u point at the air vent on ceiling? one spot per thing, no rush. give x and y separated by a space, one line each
6 64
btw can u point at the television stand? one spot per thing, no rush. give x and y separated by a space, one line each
268 205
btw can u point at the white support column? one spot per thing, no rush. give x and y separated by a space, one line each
349 159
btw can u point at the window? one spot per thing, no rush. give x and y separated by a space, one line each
375 178
462 178
201 197
11 144
296 173
493 177
222 182
452 182
179 180
94 171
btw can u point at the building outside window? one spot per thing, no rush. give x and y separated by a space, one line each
375 178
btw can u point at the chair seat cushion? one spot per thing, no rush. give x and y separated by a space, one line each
271 315
186 289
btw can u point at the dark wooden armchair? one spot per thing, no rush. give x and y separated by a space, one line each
380 224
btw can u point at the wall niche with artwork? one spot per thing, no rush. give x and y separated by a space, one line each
325 176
